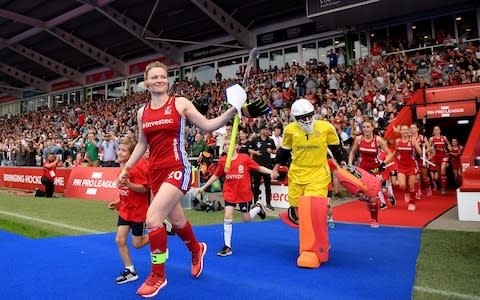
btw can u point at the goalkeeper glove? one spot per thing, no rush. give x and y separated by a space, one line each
256 108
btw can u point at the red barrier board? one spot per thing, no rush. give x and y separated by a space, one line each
453 93
93 184
29 178
84 183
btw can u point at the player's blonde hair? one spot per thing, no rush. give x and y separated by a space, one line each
155 64
370 122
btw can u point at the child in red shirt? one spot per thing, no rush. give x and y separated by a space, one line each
132 205
236 190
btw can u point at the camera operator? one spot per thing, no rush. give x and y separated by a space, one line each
109 146
63 150
49 174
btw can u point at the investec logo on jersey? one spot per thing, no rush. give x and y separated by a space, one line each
157 123
233 176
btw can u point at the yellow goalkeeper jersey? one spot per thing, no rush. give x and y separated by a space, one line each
309 151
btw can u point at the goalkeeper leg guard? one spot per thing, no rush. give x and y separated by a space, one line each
314 243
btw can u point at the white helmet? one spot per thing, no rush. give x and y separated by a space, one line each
302 111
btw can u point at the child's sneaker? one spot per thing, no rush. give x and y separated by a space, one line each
225 251
262 214
126 276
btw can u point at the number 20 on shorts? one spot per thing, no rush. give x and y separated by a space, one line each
177 175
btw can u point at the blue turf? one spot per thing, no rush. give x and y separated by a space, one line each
364 264
7 237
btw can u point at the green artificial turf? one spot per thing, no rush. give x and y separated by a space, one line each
86 215
449 261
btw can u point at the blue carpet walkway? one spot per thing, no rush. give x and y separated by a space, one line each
364 264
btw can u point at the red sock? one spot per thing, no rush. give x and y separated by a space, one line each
412 197
426 183
417 186
187 235
158 244
443 181
373 208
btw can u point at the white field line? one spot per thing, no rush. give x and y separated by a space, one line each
446 293
49 222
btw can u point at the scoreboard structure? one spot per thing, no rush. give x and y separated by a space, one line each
322 7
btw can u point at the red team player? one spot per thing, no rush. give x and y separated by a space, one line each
236 191
422 176
455 154
387 175
163 121
440 147
132 205
368 145
405 149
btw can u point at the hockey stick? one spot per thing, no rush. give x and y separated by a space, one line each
424 154
426 161
375 170
236 121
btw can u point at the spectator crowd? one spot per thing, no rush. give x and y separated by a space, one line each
373 88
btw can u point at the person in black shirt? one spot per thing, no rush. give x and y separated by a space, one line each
260 148
300 83
31 153
243 142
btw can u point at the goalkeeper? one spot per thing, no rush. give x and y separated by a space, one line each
308 179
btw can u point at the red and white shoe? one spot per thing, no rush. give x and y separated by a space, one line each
429 192
418 196
197 260
411 207
152 285
374 224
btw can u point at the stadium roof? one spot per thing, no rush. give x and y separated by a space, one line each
45 40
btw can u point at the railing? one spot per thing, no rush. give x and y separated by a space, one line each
431 48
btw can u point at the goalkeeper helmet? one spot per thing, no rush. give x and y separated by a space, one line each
302 111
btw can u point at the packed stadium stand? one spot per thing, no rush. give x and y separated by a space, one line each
73 67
